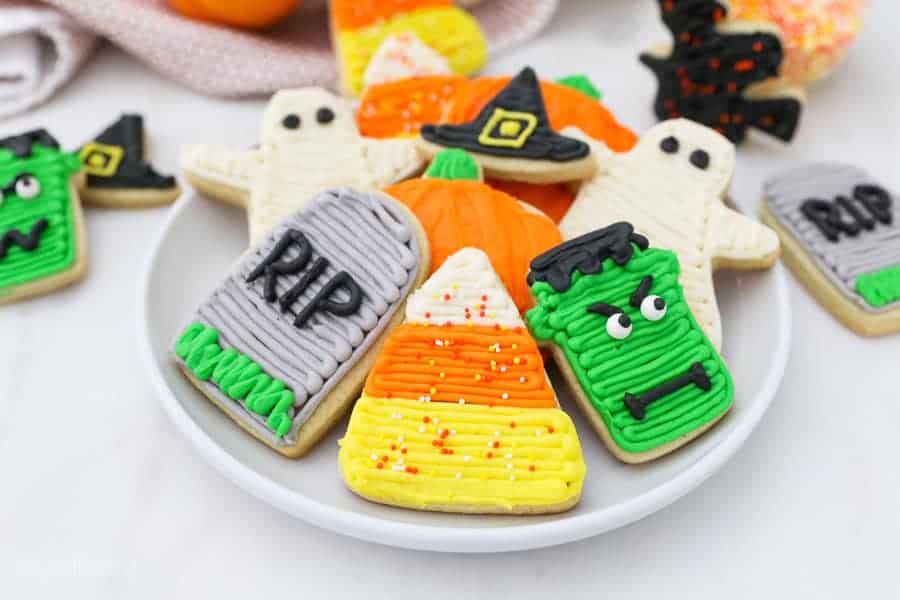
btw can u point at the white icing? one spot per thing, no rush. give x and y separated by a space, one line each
676 205
462 283
402 56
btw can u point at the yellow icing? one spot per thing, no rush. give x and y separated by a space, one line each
509 123
535 457
451 32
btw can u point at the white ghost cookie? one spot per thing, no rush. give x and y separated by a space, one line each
671 188
309 143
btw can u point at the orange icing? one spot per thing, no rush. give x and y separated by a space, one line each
355 14
399 108
460 213
490 366
552 199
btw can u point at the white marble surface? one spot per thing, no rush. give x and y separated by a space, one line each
100 497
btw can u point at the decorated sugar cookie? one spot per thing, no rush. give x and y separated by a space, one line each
841 235
457 210
42 239
512 138
723 75
671 188
615 315
309 143
459 416
404 56
283 345
359 27
117 173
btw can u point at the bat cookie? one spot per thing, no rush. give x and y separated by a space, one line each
671 188
841 236
459 416
613 312
42 237
309 143
283 345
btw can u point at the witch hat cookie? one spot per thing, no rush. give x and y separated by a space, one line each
512 138
283 345
613 312
671 188
458 415
309 143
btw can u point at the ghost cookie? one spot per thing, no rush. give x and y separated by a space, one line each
309 143
511 137
458 415
42 238
841 238
283 345
613 312
116 171
671 188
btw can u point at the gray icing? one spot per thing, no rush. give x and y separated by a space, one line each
842 261
365 234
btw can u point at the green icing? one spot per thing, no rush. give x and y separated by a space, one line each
654 353
453 163
881 287
582 84
57 246
236 375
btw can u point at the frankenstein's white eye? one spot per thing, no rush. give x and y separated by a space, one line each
27 186
618 326
653 308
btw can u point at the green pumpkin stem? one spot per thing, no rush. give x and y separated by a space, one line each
453 164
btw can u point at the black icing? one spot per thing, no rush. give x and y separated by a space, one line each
133 172
325 115
26 242
869 204
669 145
697 375
707 72
20 145
586 254
523 95
291 121
700 159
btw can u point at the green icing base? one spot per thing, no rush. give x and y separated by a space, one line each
655 352
236 375
881 287
453 163
582 84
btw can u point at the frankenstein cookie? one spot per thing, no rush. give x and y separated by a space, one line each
460 417
613 312
42 240
512 138
671 186
309 143
841 237
117 173
283 345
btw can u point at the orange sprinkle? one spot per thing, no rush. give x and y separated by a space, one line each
531 468
412 470
496 444
744 65
714 63
512 424
380 465
403 450
437 443
757 47
550 429
385 458
393 446
490 455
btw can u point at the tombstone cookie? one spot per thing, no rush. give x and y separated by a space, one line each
309 143
459 416
614 313
841 238
283 345
671 188
42 239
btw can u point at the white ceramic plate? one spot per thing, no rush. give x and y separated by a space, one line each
202 239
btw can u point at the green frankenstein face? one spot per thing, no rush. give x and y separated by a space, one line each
37 234
617 311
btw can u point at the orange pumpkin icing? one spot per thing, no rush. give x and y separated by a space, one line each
552 199
399 108
460 213
491 366
355 14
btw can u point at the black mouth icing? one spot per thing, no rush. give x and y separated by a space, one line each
637 405
26 242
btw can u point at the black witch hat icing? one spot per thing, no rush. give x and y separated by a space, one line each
513 125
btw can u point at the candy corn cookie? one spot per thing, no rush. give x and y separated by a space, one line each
458 415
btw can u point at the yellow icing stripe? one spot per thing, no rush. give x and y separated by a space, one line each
428 455
451 32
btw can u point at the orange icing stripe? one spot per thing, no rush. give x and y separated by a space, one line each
355 14
399 108
552 199
480 365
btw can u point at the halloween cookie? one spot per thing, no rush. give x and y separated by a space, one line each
841 237
457 210
42 239
671 188
360 26
723 75
404 56
309 143
116 170
459 416
512 138
283 345
613 311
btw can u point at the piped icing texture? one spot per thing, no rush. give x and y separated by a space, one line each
353 237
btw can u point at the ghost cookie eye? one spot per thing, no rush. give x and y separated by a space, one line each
700 159
324 115
669 145
291 121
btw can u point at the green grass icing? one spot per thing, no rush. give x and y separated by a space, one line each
881 287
